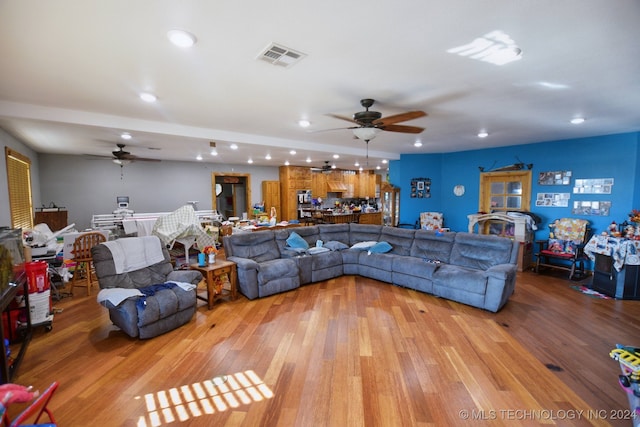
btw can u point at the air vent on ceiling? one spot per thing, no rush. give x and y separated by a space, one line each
280 55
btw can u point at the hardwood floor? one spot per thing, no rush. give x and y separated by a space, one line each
344 352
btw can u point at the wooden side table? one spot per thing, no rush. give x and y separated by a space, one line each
211 272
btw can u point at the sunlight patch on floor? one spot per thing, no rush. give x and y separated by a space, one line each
208 397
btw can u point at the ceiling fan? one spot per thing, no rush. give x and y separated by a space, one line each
326 168
372 122
122 157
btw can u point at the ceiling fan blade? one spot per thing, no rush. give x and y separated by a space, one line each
348 119
402 128
332 129
144 159
402 117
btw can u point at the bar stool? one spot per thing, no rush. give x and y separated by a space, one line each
82 256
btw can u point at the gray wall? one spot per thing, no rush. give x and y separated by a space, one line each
86 186
7 140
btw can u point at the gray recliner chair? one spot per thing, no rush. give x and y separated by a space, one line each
145 296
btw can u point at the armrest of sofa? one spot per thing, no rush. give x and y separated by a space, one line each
185 276
244 263
501 271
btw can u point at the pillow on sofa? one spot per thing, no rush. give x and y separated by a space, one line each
296 241
334 245
380 248
363 245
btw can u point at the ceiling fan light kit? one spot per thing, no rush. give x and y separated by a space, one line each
366 133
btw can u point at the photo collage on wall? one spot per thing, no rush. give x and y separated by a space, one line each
580 186
421 188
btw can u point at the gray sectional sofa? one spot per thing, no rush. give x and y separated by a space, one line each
478 270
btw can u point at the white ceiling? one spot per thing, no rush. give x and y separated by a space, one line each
72 70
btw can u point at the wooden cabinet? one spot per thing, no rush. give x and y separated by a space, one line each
366 184
271 197
319 184
371 218
350 180
56 220
292 179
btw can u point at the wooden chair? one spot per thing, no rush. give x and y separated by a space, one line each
564 248
83 259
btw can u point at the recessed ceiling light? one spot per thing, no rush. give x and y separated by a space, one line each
308 160
304 123
577 120
333 166
214 152
361 169
286 163
181 38
417 144
483 134
385 161
268 157
378 167
250 161
198 157
356 164
292 152
125 135
148 97
336 156
233 146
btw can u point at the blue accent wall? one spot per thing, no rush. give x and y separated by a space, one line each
610 156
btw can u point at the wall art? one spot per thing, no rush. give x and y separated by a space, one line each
554 178
593 186
549 200
596 208
421 188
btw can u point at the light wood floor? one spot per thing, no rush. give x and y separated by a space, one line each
345 352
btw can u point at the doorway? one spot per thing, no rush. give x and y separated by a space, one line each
231 193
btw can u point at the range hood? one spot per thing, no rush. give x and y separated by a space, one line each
336 187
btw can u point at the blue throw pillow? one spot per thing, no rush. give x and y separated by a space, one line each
295 241
380 248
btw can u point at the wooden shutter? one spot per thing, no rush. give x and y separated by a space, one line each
19 182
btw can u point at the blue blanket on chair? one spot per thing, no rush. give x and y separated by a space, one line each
150 291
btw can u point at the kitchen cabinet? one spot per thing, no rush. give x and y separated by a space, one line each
366 185
319 185
371 218
271 197
349 178
292 179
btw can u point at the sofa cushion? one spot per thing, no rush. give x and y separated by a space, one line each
380 248
480 251
460 278
309 234
363 246
432 246
277 268
258 246
414 266
377 261
335 245
400 239
334 232
326 260
363 233
296 242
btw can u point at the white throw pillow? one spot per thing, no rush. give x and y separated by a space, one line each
363 245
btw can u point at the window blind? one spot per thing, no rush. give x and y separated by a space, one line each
19 182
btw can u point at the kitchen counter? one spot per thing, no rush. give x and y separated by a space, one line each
358 217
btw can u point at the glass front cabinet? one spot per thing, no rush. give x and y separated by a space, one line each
390 201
